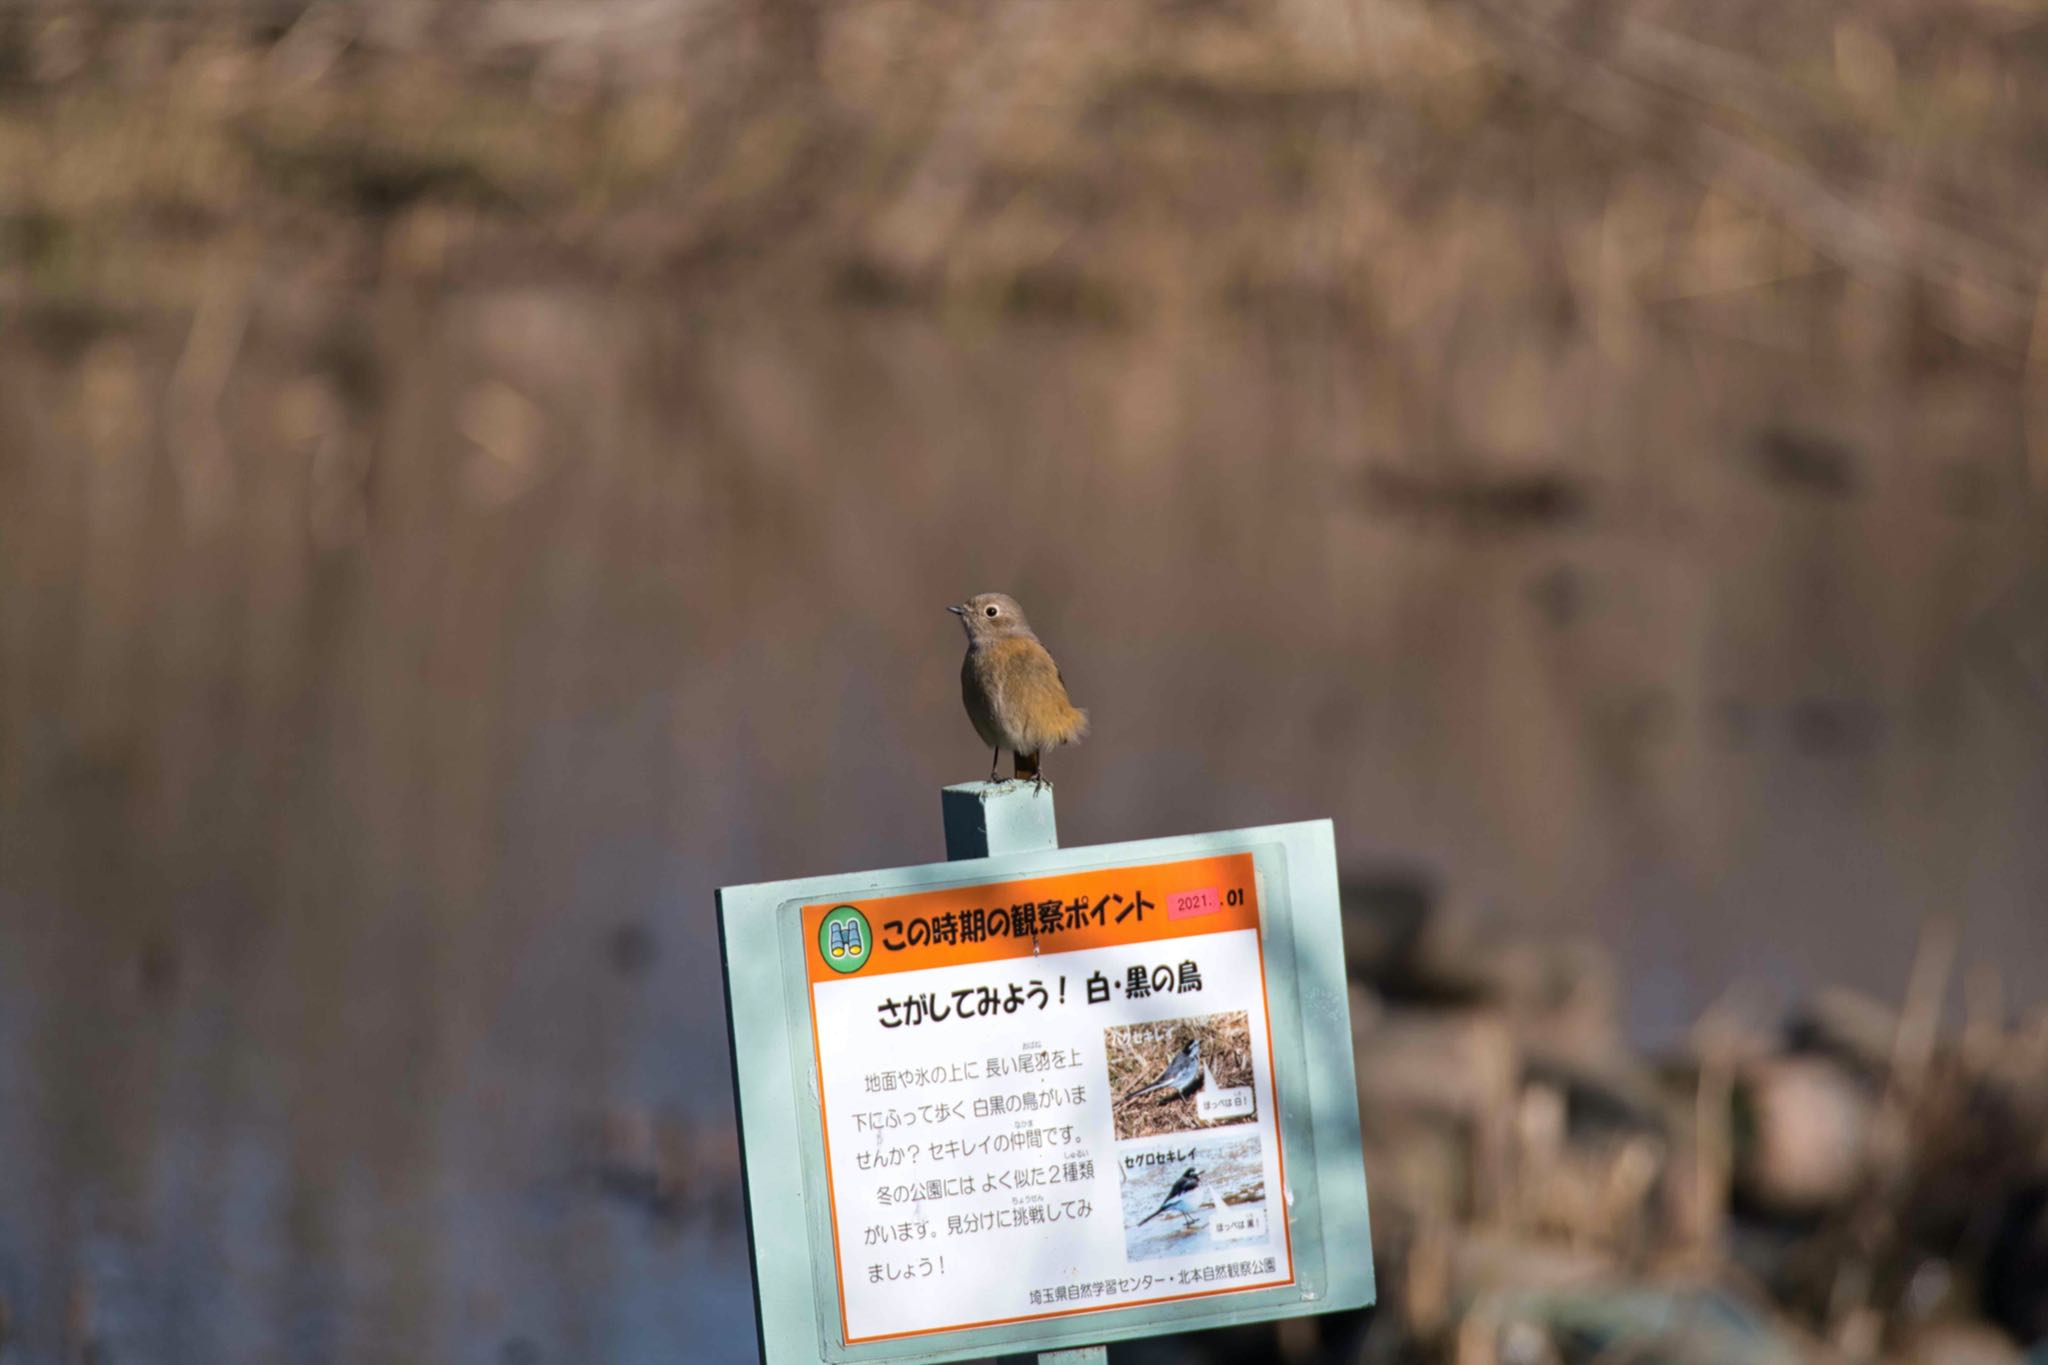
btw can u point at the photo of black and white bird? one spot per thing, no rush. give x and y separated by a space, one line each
1181 1078
1186 1193
1162 1073
1193 1196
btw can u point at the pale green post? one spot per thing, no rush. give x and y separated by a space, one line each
988 819
985 820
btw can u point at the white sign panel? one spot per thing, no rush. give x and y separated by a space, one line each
1047 1096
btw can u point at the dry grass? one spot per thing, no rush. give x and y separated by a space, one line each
1364 163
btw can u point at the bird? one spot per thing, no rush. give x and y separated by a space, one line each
1180 1199
1012 688
1184 1075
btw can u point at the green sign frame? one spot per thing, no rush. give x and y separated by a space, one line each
776 1088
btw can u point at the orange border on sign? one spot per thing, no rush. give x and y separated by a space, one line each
1226 873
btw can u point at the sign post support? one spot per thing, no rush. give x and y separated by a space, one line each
982 820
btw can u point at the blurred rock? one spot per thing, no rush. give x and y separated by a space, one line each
1426 1165
1605 1091
2016 1270
1849 1026
1436 1091
1416 947
1527 1162
1460 1063
1802 1135
1525 1343
1529 1159
1489 1263
1959 1343
1593 1194
1680 1324
1384 915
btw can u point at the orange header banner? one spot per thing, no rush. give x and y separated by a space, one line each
1061 913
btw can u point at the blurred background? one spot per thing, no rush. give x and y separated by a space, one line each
475 475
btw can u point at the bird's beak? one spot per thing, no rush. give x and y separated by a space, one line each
957 611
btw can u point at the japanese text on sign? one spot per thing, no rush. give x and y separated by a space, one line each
1047 1096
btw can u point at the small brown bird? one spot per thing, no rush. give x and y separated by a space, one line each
1013 690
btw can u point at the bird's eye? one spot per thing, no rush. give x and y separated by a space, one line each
992 611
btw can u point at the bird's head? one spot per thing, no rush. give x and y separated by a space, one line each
991 616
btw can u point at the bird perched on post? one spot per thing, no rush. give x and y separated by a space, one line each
1013 690
1183 1076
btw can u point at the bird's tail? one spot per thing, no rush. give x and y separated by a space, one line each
1150 1216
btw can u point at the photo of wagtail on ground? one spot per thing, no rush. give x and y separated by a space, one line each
1183 1198
1161 1072
1182 1077
1188 1197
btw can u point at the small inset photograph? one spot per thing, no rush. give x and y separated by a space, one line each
1181 1075
1193 1197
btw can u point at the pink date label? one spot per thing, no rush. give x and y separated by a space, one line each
1188 904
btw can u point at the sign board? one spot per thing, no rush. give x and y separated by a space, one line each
1047 1099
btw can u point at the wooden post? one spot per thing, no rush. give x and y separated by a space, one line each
984 819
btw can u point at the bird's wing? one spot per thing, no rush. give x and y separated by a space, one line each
1035 694
982 695
1034 669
